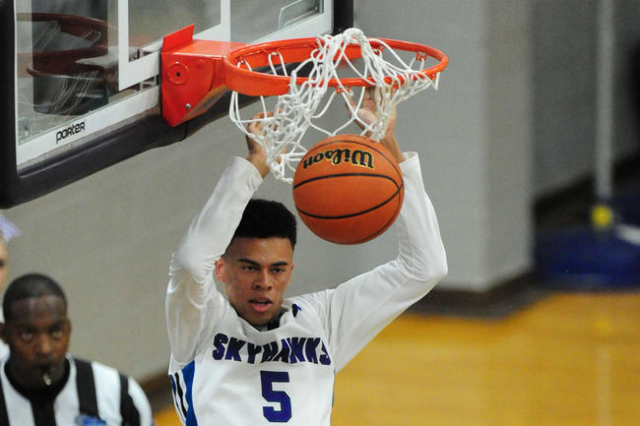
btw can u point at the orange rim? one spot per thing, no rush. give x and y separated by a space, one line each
254 83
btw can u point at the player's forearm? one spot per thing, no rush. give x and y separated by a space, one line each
361 307
421 250
212 229
391 143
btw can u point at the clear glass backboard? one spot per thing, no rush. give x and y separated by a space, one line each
81 79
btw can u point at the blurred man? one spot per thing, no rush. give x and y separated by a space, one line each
41 383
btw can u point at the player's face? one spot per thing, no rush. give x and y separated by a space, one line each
38 337
256 273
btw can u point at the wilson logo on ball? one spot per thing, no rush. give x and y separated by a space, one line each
348 189
337 156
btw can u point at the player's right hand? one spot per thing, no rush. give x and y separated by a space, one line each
366 116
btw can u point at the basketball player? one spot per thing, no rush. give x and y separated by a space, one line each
7 232
41 384
251 357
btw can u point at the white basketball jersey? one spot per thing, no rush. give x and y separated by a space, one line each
226 372
246 376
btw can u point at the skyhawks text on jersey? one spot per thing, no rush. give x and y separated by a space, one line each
289 350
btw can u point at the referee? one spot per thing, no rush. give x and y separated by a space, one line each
41 384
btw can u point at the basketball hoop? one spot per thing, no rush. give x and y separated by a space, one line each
297 74
301 71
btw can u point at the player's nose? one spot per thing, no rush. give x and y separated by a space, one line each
262 281
44 346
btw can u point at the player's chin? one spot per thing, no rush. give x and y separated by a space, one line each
260 318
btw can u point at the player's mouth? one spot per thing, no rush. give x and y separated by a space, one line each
45 373
261 304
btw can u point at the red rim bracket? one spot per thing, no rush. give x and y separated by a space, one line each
192 74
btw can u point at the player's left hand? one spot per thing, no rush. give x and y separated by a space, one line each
257 154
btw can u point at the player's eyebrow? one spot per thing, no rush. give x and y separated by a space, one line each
254 263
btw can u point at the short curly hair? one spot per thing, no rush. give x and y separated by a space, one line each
265 219
27 286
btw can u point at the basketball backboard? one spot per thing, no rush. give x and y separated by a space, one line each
80 80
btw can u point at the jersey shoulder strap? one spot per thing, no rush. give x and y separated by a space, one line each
85 382
128 410
86 385
4 417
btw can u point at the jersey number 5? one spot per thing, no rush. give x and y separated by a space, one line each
268 378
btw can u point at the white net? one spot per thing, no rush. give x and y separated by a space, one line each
392 78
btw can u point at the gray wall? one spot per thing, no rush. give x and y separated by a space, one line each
474 134
513 120
564 44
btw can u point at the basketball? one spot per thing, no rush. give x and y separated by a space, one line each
348 189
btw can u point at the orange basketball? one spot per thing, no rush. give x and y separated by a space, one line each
348 189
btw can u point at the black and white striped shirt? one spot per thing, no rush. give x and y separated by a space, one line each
92 394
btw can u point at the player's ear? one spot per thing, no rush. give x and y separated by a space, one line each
219 267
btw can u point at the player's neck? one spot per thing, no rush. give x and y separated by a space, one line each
44 393
273 324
